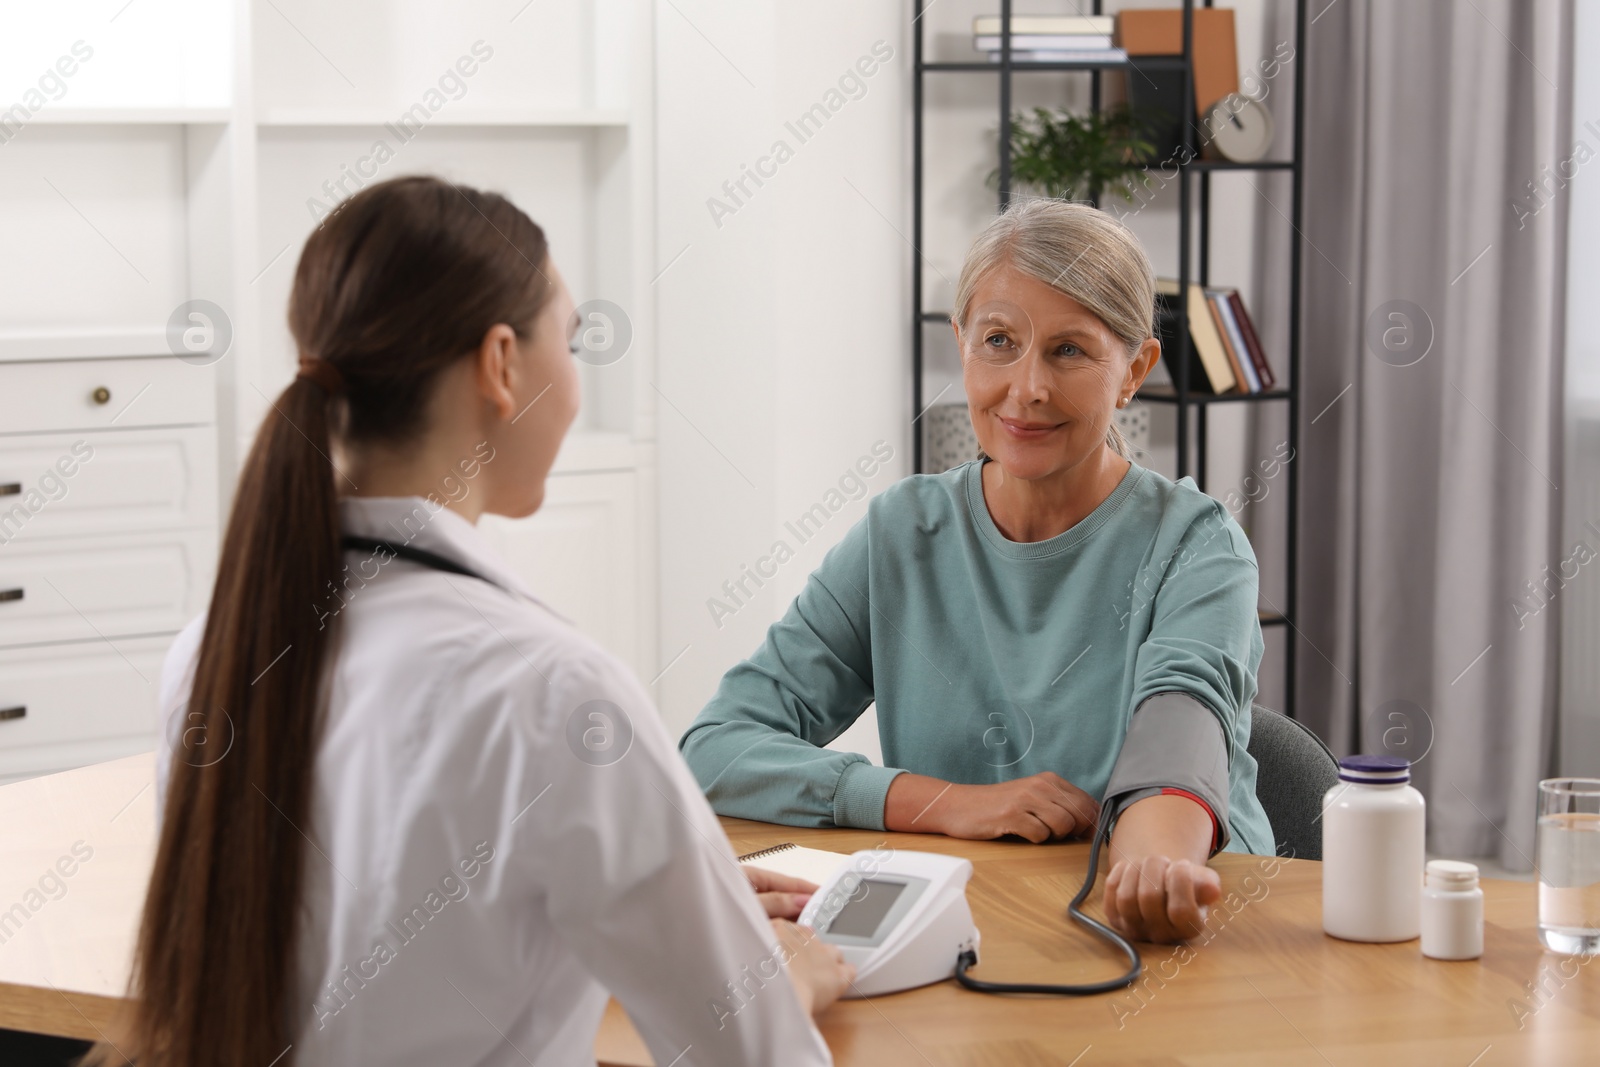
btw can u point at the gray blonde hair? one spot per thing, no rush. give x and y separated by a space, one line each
1081 252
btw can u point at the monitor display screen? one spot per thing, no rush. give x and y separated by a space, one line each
863 912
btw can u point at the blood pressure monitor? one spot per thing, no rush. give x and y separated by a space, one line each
900 917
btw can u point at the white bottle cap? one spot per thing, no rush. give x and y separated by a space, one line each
1451 874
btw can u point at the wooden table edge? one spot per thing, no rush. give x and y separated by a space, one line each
56 1012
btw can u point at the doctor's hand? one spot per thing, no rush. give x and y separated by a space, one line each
1040 807
783 897
817 969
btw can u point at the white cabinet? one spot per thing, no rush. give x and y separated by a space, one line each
108 541
68 705
201 185
143 480
577 553
80 589
104 394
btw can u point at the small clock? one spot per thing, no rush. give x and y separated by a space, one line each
1240 128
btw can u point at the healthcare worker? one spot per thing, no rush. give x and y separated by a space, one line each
410 816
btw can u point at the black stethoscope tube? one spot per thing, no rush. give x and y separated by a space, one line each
969 958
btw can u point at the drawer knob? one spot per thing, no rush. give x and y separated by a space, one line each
18 712
10 594
101 395
10 488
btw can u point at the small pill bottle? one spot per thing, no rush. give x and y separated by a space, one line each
1452 911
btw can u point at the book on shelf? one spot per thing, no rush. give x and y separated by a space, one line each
1209 368
1075 55
1156 92
1050 39
1043 42
1159 32
1240 334
1075 25
1252 341
1244 369
1225 353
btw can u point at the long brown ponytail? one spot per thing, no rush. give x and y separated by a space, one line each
400 281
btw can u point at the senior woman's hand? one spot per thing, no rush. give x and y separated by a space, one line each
1040 807
1159 886
1153 898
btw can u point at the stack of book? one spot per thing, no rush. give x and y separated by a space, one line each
1155 91
1050 38
1225 354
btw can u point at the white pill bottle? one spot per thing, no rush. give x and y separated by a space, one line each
1373 851
1452 911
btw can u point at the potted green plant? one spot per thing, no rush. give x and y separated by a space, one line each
1078 157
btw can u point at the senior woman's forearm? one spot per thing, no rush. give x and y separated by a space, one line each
752 771
757 748
1039 807
1164 825
910 806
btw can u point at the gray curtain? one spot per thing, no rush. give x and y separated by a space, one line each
1432 356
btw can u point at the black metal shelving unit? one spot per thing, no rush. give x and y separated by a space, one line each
1194 205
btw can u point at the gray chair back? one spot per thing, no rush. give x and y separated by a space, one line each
1294 769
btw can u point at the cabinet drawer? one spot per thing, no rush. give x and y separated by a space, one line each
59 396
84 703
90 588
120 482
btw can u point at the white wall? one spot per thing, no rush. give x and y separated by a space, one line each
164 54
781 333
314 61
94 224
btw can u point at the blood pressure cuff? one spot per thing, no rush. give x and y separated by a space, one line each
1175 745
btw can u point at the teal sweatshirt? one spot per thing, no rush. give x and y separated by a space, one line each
990 659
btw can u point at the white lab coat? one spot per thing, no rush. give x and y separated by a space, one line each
484 867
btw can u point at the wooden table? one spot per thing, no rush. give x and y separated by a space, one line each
64 955
1263 986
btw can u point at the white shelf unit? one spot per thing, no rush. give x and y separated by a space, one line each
134 116
524 117
108 539
123 201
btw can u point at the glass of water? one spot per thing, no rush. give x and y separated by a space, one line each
1569 865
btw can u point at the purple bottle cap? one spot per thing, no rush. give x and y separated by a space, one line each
1375 770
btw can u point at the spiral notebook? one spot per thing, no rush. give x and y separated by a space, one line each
812 864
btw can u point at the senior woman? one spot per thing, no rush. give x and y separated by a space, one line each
1044 629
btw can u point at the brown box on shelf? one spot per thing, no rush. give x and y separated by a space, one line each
1159 32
